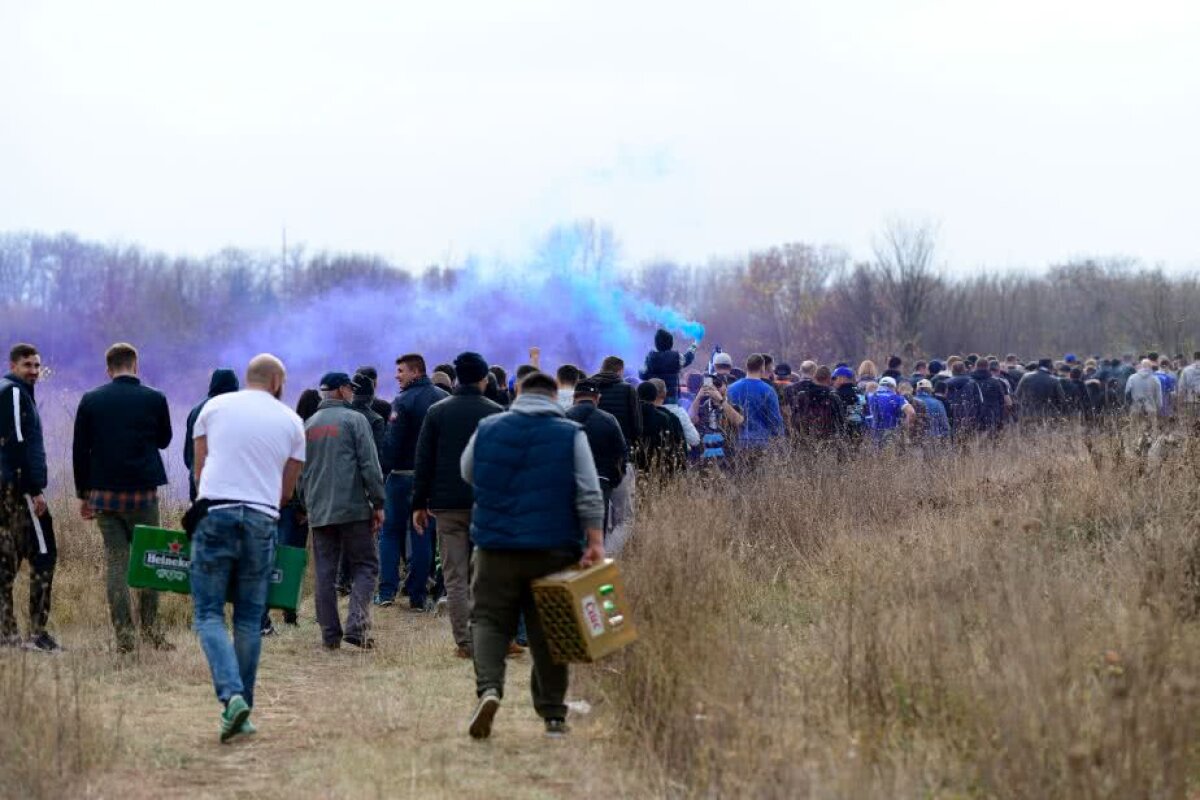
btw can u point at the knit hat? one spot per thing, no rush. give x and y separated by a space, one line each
587 388
471 368
722 360
843 372
783 370
936 366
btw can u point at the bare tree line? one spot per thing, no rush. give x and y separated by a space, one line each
796 300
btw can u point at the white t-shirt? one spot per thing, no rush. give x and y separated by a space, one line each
250 437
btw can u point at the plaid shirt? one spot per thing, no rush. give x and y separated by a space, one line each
122 501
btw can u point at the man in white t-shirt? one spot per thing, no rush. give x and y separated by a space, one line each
249 454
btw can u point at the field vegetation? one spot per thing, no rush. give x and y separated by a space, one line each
1011 620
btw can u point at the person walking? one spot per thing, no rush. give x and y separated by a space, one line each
620 399
342 487
119 430
890 414
249 453
26 529
417 394
1143 392
1189 388
1040 396
440 491
691 436
221 382
538 509
609 451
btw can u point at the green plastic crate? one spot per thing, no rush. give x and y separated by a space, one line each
162 559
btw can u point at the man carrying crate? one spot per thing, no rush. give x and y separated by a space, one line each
249 453
538 509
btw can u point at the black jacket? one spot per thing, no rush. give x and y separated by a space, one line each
1040 395
448 426
381 407
620 399
604 436
366 407
408 412
222 381
1076 394
22 451
119 429
665 363
662 446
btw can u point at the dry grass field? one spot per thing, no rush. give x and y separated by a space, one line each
1013 621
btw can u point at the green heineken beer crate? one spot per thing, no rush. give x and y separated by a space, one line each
162 559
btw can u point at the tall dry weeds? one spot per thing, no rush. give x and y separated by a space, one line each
1017 620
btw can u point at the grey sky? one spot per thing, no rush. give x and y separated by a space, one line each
1029 131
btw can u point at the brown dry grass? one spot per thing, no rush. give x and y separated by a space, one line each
90 723
1015 621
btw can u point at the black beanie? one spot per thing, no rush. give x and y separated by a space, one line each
471 368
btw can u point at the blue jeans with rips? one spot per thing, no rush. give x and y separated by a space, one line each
233 553
397 520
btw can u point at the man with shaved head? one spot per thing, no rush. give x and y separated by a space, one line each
249 452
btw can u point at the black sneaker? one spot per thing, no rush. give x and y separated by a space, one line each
43 643
269 629
358 641
485 712
557 728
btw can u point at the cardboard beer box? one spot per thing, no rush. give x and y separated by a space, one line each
162 559
584 613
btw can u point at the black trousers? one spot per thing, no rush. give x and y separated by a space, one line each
18 543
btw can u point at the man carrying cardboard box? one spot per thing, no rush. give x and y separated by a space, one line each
538 509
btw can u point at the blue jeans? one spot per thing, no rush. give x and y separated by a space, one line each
397 519
233 553
420 563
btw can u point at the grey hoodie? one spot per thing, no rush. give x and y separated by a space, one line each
1143 393
342 481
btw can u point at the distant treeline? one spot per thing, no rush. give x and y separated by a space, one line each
794 301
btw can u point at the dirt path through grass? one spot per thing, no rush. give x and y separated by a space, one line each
346 724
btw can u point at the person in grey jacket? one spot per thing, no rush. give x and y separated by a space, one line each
342 487
1143 392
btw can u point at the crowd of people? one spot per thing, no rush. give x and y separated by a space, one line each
469 485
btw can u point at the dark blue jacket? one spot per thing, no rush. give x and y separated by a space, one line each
665 364
524 478
119 429
22 452
404 427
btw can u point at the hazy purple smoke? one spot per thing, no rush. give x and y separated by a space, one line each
570 306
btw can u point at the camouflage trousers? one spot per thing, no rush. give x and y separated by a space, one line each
18 543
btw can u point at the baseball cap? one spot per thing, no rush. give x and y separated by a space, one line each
925 384
843 372
887 381
723 360
783 370
332 381
363 385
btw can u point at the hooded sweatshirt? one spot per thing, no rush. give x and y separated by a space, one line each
1143 393
666 363
223 381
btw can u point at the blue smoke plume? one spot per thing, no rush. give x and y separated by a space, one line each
566 299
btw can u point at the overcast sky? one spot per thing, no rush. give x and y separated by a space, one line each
1029 132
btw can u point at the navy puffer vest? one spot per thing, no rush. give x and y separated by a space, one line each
525 484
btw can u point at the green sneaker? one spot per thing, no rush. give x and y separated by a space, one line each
248 728
234 717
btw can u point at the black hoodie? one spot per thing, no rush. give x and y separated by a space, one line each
223 381
666 364
620 399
